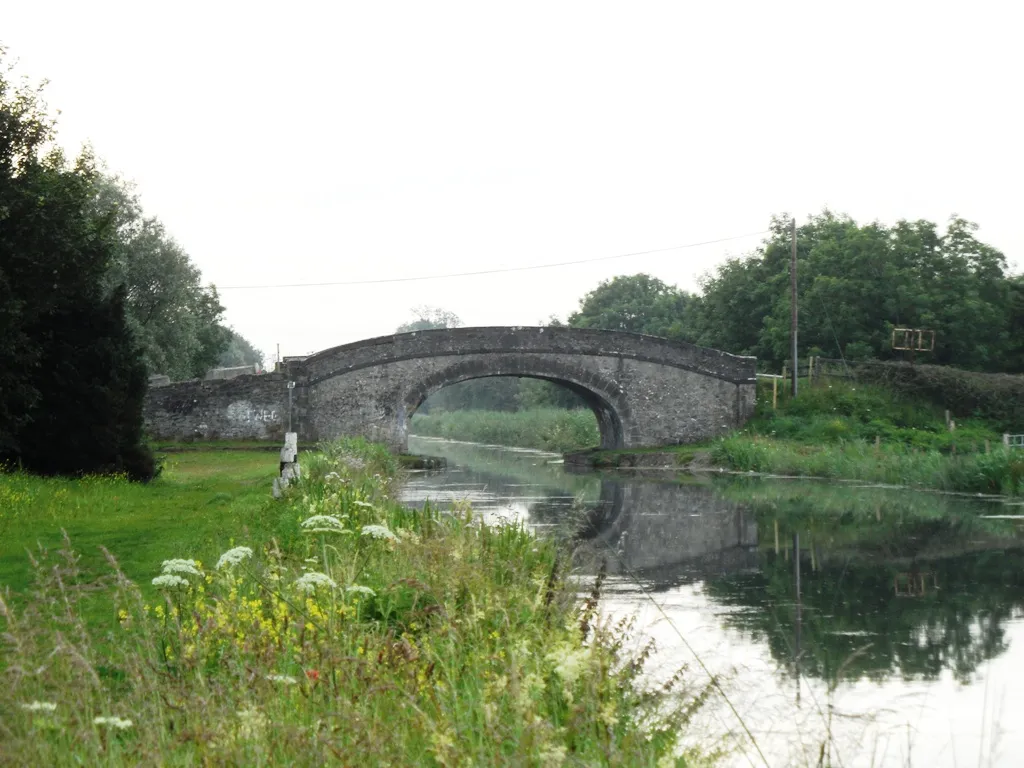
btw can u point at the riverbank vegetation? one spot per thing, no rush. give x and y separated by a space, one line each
867 432
854 431
345 628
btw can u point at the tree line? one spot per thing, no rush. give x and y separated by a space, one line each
856 283
94 296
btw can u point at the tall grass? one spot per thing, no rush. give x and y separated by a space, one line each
1001 471
364 633
547 429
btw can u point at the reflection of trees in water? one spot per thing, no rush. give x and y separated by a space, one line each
854 624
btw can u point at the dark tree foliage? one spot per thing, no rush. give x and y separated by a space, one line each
857 283
175 318
71 383
636 303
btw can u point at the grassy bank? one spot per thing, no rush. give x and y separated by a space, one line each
198 501
350 629
859 432
546 429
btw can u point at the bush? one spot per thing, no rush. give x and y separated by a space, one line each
996 397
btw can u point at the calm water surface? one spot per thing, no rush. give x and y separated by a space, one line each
894 637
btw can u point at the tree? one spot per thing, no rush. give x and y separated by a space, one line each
239 352
72 384
636 303
858 282
428 318
176 319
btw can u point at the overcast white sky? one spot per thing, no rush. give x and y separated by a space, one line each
303 142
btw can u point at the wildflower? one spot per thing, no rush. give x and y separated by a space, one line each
379 532
365 504
332 476
252 724
121 724
40 706
313 674
178 565
284 679
233 557
323 524
308 582
359 589
569 663
169 580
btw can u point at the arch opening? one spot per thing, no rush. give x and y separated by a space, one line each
609 421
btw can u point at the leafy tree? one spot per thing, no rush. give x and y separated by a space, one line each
175 318
858 282
636 303
239 352
72 384
428 318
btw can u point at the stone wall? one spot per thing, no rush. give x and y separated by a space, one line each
242 408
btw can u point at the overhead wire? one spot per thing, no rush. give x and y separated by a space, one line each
496 271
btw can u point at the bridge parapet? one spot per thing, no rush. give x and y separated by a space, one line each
554 340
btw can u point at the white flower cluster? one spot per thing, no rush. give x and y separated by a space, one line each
364 504
378 532
359 589
324 524
309 582
233 557
170 573
40 706
169 580
114 722
178 565
283 679
569 662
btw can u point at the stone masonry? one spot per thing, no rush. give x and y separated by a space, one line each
645 391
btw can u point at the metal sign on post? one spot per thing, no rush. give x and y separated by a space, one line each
913 340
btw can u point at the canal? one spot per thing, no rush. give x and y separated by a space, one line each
844 625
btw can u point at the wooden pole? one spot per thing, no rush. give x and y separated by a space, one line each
775 394
792 294
810 372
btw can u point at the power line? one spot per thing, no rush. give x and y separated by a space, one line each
489 271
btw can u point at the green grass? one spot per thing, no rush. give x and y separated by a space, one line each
998 472
430 640
546 429
194 507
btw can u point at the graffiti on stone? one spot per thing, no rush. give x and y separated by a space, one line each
244 412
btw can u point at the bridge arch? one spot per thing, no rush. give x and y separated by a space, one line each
603 396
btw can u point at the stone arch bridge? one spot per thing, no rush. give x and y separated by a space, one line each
645 391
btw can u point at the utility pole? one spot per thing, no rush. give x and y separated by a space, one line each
792 293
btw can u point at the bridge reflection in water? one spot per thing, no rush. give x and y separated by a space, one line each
905 592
